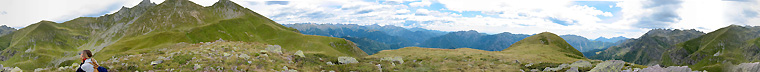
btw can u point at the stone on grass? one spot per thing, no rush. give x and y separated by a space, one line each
156 62
244 56
609 66
678 69
657 68
226 54
347 60
299 53
16 69
196 66
263 51
572 69
330 63
393 59
581 64
745 67
274 49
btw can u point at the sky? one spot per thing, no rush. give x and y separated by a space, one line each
587 18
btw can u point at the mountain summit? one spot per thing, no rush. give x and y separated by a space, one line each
547 45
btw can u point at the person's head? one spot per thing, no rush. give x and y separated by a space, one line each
85 54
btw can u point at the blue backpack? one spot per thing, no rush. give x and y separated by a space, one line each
102 69
99 68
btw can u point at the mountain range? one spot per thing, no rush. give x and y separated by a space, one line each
398 37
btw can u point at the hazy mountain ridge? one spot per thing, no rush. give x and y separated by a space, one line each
474 39
582 44
612 40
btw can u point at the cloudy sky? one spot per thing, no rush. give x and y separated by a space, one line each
588 18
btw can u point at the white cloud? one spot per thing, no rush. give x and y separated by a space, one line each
742 12
422 3
20 13
515 16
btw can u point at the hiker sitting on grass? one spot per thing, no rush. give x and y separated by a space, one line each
88 64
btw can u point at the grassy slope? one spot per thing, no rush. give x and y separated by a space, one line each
54 43
734 43
546 45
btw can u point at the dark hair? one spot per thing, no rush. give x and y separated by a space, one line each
88 53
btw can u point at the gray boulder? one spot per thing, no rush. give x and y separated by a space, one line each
299 53
746 67
347 60
572 69
581 64
274 49
609 66
657 68
156 62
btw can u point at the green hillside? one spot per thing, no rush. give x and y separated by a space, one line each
148 27
545 46
729 45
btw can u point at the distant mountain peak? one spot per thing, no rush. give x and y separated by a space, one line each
146 3
226 3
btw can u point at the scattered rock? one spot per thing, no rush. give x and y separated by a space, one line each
299 53
745 67
244 56
263 51
609 66
16 69
572 69
226 54
264 55
330 63
393 59
196 66
274 49
534 70
657 68
379 67
156 62
580 64
680 69
347 60
516 62
529 64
